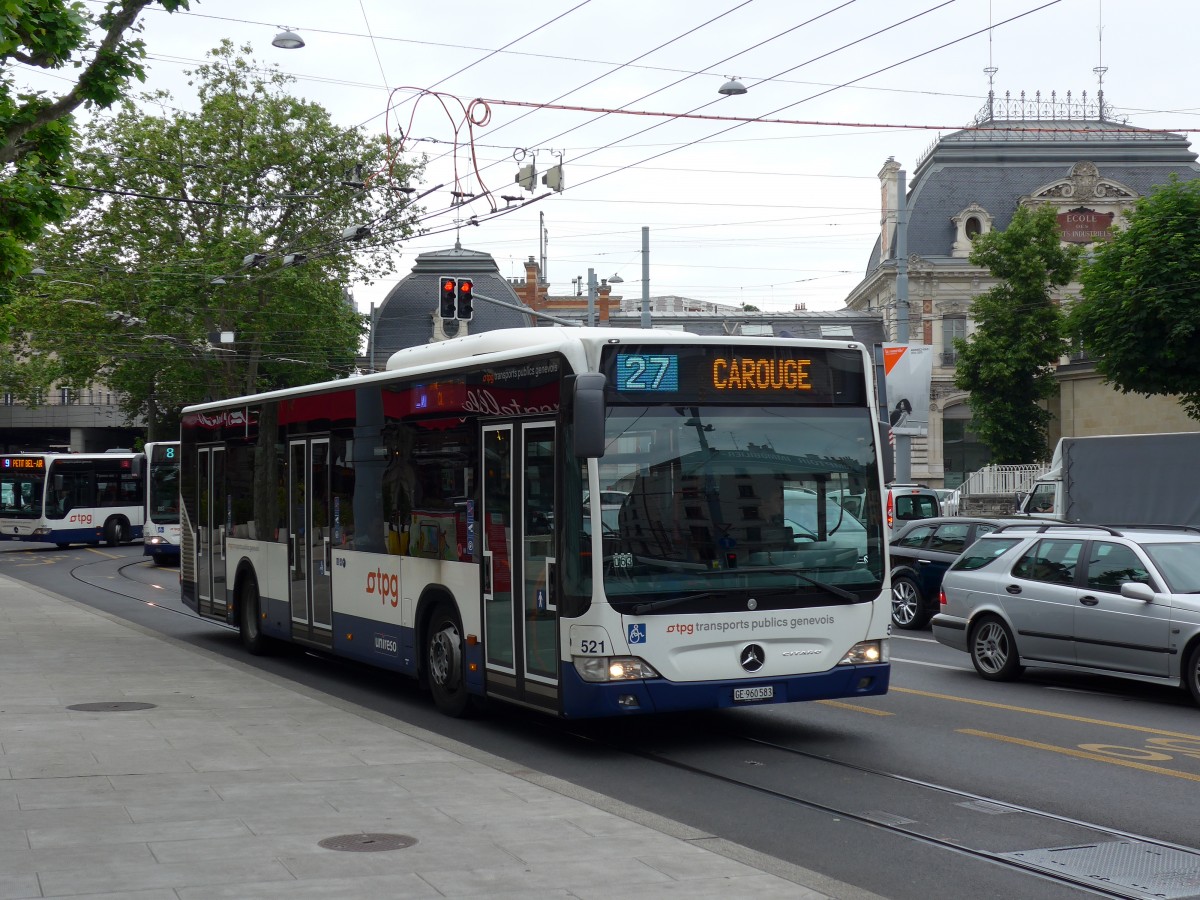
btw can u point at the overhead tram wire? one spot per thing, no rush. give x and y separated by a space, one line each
709 103
620 66
812 97
678 81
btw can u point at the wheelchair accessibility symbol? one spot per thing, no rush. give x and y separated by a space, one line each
637 633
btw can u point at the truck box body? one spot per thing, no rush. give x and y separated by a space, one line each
1127 479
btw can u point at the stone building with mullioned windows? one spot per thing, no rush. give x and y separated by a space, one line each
1066 152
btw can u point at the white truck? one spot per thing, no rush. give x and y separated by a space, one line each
1121 479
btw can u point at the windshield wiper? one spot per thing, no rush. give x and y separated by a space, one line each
834 589
639 609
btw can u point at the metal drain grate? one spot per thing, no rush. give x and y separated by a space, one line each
367 843
1145 870
992 809
114 706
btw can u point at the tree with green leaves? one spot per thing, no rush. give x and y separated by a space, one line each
1008 363
1139 316
245 219
37 131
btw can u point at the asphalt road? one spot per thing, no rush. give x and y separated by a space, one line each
928 792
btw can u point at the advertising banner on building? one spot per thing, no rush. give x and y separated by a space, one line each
907 370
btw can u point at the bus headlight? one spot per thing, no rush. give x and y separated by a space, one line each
40 532
865 652
156 540
613 668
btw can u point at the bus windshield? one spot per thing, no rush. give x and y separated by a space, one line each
733 503
164 492
21 495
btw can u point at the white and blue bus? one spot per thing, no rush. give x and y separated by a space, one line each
161 531
435 520
73 498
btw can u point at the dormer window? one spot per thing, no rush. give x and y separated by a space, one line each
969 225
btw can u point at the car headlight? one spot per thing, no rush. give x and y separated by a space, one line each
613 668
865 652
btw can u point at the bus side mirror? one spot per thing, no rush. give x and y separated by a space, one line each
587 414
58 482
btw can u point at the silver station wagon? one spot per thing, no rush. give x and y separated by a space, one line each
1108 601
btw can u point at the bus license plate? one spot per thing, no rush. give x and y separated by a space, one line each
754 693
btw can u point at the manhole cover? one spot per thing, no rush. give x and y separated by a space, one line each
367 843
115 706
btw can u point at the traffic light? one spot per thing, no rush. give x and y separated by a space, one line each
448 296
466 296
553 178
526 177
456 297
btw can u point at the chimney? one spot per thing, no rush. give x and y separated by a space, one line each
603 291
531 297
889 185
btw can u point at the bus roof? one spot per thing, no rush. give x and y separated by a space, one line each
513 344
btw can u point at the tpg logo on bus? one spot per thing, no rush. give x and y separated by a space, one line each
81 518
385 585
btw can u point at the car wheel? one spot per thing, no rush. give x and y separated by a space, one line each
445 663
1191 675
908 606
994 650
250 621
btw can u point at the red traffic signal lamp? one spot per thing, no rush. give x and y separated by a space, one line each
456 297
466 298
447 296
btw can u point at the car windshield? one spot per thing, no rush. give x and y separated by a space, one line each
1179 564
728 501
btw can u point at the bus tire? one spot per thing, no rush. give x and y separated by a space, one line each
250 619
116 531
445 662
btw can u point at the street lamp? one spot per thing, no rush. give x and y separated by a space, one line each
731 88
615 278
288 40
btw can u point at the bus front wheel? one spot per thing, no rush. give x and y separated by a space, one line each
116 531
444 662
250 621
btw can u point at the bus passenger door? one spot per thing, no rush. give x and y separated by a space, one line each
520 616
539 612
211 504
309 533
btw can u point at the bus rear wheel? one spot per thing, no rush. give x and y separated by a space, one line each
250 620
116 531
445 664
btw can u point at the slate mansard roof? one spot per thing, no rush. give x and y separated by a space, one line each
997 165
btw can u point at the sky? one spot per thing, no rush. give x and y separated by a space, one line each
772 214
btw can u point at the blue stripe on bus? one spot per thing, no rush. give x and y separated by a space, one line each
581 699
91 535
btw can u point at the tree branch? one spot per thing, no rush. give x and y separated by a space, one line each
13 145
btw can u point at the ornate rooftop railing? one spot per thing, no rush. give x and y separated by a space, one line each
1018 117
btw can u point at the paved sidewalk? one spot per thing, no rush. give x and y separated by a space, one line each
227 784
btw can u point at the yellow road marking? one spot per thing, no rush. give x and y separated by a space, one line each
1081 754
101 552
1042 712
862 709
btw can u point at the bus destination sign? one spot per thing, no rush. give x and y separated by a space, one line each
769 374
23 463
